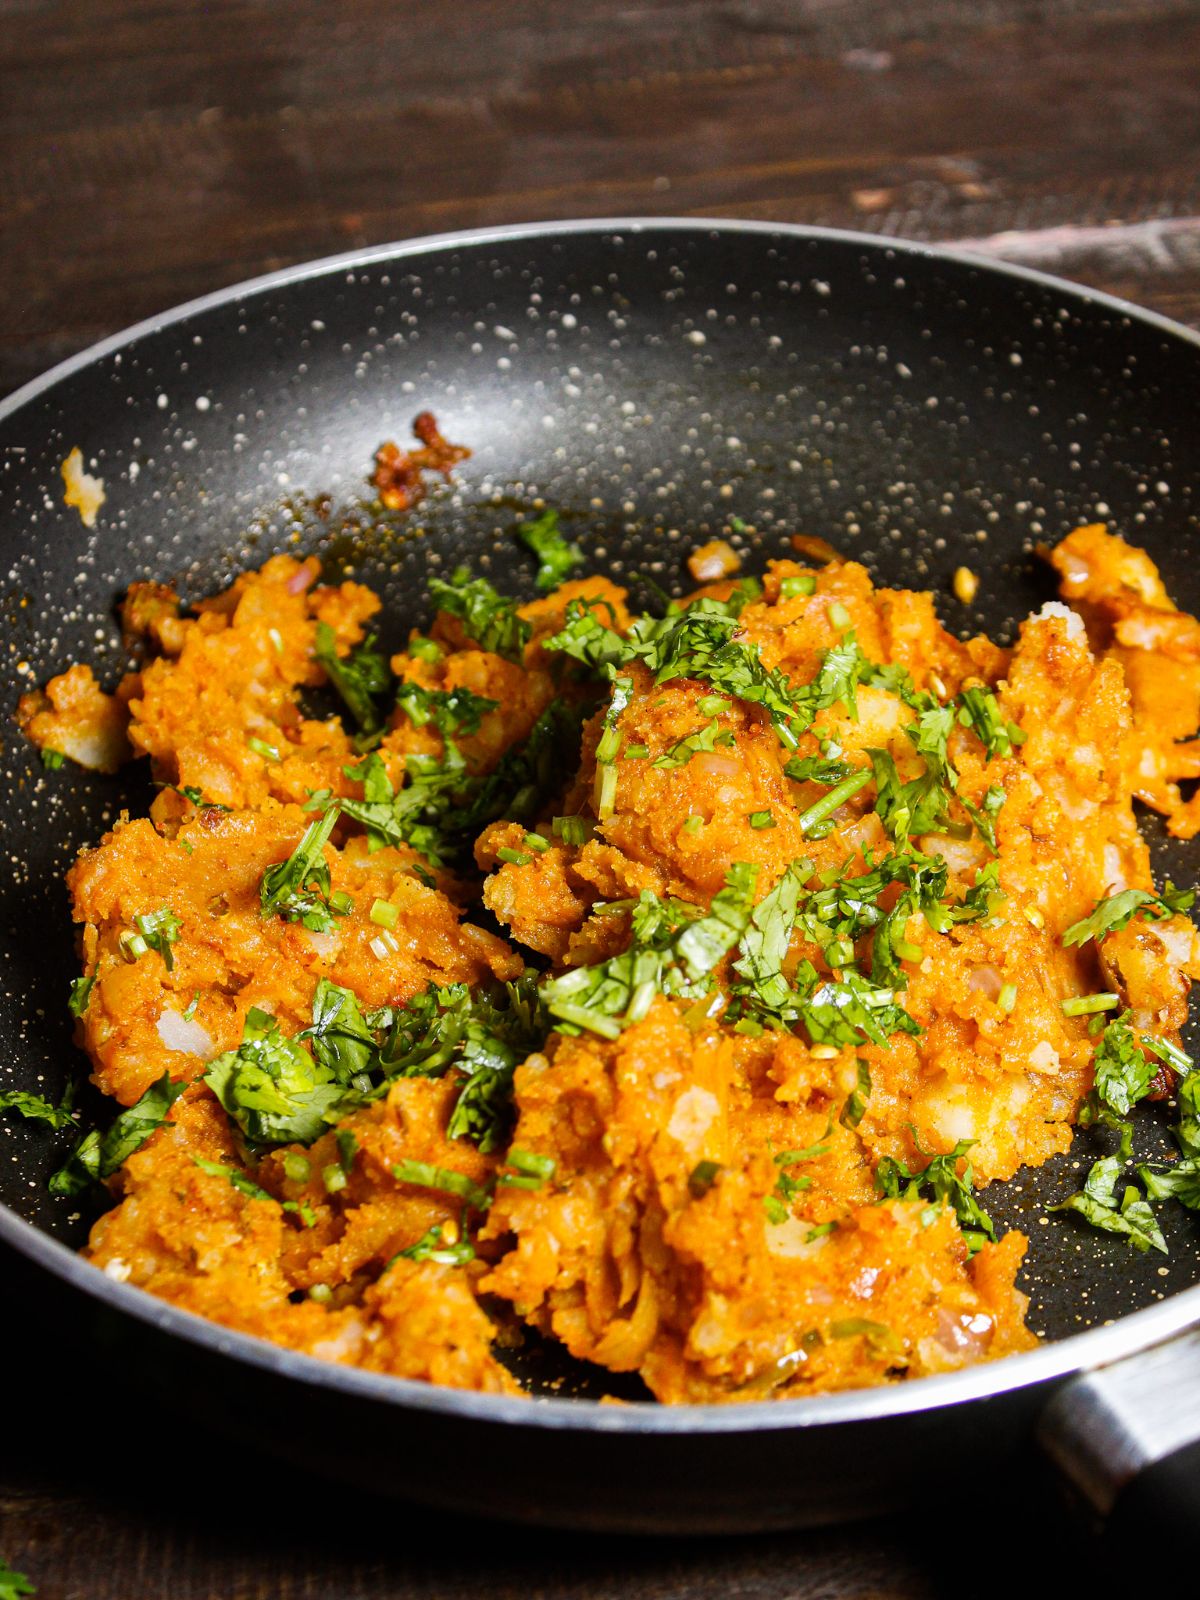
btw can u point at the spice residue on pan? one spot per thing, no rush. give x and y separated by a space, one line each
816 920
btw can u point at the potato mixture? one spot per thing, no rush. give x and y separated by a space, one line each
813 922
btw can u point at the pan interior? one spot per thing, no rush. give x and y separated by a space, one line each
659 385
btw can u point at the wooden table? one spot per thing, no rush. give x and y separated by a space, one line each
150 153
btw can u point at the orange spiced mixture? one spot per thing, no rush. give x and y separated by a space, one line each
814 922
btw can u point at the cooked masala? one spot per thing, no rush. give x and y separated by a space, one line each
815 922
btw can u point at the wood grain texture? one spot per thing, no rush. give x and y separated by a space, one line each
151 152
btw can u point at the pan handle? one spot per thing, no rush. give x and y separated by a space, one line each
1127 1439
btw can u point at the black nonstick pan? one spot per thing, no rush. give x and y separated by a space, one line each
654 380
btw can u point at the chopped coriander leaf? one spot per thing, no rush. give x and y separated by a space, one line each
984 817
443 807
97 1156
52 759
1097 1202
485 1034
273 1089
347 1148
846 1013
817 769
81 993
359 676
764 944
701 944
908 810
979 710
452 711
761 819
673 951
930 734
238 1180
1180 1182
834 916
704 739
36 1108
342 1041
488 618
298 889
1125 1065
424 649
14 1585
432 1246
190 792
702 1177
981 899
443 1179
1116 911
696 641
555 556
693 824
940 1177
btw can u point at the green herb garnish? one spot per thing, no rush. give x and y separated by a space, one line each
555 556
1116 911
359 677
97 1156
488 618
445 1180
298 889
940 1180
273 1089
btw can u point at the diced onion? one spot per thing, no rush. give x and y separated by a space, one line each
189 1037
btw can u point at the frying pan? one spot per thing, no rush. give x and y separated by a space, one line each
653 380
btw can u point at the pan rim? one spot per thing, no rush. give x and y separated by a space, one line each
1048 1363
426 244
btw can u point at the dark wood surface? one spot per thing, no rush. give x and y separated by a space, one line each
151 152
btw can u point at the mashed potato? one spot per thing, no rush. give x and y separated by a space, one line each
815 922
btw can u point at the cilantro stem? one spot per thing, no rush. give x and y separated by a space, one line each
1082 1005
837 796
